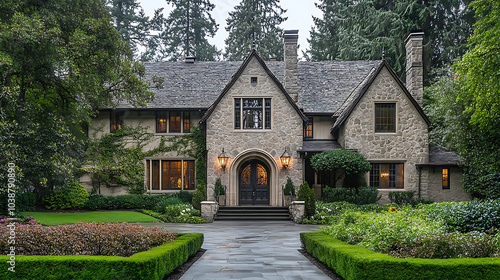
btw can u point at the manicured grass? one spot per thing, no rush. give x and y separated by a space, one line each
52 219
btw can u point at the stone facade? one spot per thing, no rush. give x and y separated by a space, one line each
408 145
432 184
241 145
415 66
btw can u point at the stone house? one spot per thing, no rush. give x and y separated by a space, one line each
256 112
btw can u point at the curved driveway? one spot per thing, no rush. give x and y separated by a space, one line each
250 250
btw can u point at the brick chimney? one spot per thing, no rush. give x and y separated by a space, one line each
290 39
415 66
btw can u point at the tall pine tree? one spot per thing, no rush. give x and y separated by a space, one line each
357 30
185 32
132 23
255 23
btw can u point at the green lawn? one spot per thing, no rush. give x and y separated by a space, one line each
52 219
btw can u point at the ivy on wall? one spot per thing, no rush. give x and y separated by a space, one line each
117 159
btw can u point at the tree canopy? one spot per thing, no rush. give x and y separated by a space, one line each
255 24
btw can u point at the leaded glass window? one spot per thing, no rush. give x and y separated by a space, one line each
387 175
252 113
385 117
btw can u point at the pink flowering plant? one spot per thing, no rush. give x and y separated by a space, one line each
98 239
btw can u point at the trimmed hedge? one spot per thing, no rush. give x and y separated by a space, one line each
356 263
155 263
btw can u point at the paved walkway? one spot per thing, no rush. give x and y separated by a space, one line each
250 250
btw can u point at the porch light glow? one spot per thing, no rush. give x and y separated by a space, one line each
223 160
285 159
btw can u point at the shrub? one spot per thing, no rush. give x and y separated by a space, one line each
138 189
199 195
155 263
24 202
185 196
163 204
126 201
306 194
328 213
218 189
368 195
86 239
192 217
467 216
73 196
289 187
407 198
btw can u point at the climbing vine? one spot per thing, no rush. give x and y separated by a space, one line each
118 158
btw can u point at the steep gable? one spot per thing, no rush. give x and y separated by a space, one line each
253 55
357 94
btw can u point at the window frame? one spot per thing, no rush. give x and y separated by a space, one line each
388 174
185 122
267 116
115 121
378 117
445 179
309 127
156 177
161 116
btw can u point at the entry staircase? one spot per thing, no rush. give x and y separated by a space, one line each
246 213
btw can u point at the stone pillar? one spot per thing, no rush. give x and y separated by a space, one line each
209 210
415 66
290 39
297 210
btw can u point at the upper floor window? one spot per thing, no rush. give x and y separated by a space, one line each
446 178
385 117
252 113
387 175
308 129
116 122
173 122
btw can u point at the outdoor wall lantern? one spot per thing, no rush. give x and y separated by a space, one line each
223 160
285 159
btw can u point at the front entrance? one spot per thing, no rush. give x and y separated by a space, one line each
254 183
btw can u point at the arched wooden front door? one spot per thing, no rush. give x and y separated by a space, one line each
254 183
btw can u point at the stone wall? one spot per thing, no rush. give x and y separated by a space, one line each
240 144
436 192
408 145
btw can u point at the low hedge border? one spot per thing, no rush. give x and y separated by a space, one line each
155 263
355 262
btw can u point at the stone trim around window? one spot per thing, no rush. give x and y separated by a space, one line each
252 114
385 117
387 175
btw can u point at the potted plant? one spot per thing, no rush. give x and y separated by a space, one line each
219 192
289 191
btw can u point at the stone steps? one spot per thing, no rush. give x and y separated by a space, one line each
242 213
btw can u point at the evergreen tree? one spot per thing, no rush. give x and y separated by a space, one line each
358 30
185 32
132 23
255 24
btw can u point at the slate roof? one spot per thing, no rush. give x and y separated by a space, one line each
319 146
323 86
441 157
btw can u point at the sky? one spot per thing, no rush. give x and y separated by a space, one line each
299 14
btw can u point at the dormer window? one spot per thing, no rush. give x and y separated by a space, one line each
252 113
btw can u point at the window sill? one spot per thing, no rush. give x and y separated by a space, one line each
253 130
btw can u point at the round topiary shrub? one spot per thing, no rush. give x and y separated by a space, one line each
73 196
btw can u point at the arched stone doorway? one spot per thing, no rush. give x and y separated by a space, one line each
254 183
255 164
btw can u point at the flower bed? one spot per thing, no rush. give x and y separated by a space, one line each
155 263
85 239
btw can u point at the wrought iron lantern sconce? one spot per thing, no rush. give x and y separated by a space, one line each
285 159
223 158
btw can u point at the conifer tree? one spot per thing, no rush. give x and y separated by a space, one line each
186 30
255 24
132 23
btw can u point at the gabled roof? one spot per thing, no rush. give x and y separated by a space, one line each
253 54
323 85
357 94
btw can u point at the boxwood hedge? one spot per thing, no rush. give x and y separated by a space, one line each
152 264
355 262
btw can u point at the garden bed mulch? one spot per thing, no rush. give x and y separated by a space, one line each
323 267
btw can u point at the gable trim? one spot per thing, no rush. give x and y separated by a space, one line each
344 116
235 77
